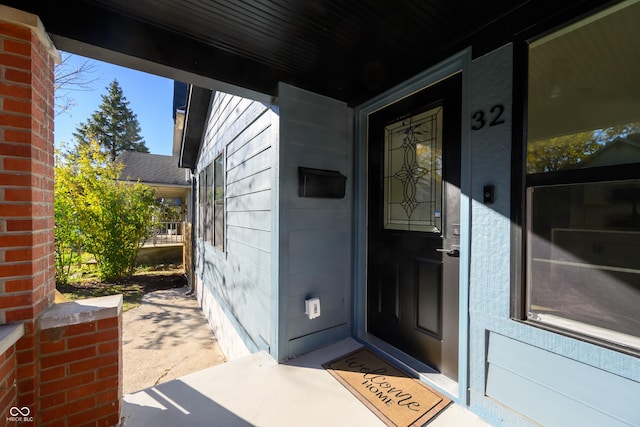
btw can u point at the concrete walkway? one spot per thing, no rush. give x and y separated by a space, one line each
165 338
256 391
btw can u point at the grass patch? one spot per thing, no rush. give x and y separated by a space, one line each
145 279
131 293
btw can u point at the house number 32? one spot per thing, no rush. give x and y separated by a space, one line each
494 118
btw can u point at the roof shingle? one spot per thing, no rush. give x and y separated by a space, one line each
152 169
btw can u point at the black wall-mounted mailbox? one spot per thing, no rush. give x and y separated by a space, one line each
321 183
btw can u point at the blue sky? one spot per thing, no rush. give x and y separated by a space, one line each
150 98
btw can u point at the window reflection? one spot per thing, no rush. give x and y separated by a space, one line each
604 147
583 244
583 227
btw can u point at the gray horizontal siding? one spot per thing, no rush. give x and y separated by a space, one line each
258 201
252 238
316 219
315 234
249 167
317 250
252 265
249 148
251 184
240 277
252 220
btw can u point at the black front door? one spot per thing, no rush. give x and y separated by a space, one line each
413 228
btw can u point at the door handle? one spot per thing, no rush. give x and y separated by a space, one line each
453 251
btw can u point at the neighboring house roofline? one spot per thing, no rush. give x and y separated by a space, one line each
198 100
629 141
152 169
624 140
155 184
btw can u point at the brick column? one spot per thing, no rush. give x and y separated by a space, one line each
27 274
9 334
81 363
8 395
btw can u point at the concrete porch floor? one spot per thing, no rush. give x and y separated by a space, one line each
256 391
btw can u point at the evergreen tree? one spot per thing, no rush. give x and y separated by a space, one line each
114 126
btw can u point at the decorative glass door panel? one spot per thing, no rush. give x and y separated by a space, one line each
413 224
413 173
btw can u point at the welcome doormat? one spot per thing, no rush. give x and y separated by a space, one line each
397 398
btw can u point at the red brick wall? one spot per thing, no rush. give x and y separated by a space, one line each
80 374
26 175
67 375
8 393
27 274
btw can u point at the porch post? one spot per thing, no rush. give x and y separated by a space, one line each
27 272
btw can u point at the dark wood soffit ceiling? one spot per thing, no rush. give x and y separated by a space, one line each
346 49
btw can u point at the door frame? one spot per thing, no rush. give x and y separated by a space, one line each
460 62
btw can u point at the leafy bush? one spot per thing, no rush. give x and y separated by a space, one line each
94 210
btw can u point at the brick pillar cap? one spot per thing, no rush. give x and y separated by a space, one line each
9 335
81 311
31 21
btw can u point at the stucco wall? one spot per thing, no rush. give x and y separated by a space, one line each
520 373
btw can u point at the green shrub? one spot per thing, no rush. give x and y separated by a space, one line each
98 213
